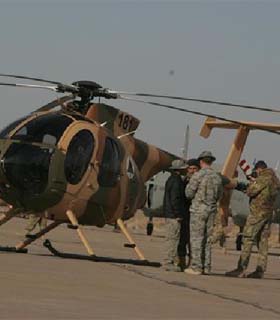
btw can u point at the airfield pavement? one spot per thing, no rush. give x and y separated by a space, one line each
38 285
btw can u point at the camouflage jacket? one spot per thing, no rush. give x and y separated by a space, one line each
205 188
262 193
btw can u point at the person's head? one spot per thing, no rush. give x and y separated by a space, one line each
260 166
193 166
206 159
178 166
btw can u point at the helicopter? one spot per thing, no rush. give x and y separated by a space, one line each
80 161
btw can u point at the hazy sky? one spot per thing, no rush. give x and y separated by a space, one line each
227 50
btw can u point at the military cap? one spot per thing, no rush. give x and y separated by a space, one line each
193 162
206 154
178 164
260 164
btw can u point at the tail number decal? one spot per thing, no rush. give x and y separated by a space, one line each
125 122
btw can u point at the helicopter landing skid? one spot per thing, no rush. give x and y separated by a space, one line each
95 258
13 249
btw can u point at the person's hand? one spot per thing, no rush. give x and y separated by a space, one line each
241 186
251 179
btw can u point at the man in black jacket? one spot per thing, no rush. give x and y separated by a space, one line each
175 210
184 242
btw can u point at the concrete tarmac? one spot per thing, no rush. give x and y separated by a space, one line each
39 285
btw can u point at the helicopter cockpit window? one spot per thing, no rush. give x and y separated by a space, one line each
78 156
44 129
5 132
109 172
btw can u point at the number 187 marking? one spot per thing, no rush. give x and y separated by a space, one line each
125 122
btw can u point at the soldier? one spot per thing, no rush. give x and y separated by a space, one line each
193 167
175 210
34 220
205 189
262 193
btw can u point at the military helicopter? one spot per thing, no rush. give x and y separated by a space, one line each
80 161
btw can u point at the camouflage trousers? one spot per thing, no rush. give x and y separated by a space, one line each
172 237
251 232
201 229
35 220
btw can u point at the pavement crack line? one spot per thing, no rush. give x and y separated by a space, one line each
196 289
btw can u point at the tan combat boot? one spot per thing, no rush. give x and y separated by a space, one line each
193 272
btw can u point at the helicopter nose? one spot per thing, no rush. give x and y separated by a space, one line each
25 166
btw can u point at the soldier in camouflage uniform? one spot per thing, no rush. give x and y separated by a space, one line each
262 193
205 189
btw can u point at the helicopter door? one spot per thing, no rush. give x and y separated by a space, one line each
110 168
78 156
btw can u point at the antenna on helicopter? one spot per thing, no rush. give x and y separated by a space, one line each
126 134
186 143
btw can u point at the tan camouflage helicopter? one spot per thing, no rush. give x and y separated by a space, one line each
80 161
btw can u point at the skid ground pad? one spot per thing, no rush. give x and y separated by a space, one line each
95 258
13 249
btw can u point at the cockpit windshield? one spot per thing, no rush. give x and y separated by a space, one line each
44 129
10 127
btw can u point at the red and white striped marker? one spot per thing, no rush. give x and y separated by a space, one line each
245 167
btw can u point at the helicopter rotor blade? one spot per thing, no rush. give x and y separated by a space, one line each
217 102
172 107
28 78
32 86
77 88
60 87
81 88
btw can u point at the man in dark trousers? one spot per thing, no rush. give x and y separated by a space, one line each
175 210
184 242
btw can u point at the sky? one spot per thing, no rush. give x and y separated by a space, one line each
223 50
